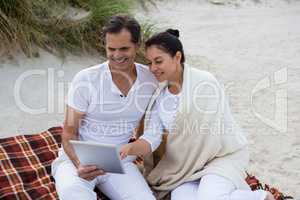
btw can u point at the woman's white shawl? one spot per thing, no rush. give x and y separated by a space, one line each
206 139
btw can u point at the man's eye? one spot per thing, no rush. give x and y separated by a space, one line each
124 49
158 62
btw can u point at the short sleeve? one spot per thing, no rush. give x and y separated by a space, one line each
79 93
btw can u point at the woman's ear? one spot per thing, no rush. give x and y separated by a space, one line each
178 56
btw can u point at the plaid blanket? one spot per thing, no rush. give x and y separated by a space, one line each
25 163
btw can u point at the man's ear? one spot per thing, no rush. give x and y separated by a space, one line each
137 45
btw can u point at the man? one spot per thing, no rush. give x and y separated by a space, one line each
105 104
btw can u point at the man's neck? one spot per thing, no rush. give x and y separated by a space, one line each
124 79
129 72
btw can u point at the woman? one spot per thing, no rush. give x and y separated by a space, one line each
204 154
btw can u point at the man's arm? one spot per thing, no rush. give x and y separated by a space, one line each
70 132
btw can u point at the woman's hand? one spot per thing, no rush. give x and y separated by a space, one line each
89 172
125 150
139 147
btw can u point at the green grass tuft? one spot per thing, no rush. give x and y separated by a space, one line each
58 26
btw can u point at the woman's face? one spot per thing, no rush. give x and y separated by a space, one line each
162 64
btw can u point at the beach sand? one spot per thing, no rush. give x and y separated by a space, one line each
252 48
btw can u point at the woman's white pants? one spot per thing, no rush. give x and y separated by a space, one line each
214 187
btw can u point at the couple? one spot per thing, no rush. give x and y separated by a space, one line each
193 148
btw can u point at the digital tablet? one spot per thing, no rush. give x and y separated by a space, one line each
104 156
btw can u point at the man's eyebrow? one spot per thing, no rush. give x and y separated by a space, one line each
124 47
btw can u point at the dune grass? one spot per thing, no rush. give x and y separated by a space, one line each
58 26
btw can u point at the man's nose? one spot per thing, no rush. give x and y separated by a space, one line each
118 54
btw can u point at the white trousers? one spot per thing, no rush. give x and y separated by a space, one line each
214 187
129 186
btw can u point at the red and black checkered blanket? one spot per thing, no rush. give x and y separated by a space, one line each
25 168
25 163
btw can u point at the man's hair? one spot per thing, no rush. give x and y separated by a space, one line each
118 22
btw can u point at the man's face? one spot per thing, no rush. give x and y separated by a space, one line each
120 50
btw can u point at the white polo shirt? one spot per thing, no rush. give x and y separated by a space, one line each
110 117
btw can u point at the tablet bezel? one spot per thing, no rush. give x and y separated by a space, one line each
110 163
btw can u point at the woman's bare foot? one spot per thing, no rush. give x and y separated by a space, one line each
269 196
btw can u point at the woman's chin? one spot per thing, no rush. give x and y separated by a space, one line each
160 79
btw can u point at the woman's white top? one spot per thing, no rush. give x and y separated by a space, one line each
162 117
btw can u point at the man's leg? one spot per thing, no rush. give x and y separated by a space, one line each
214 187
186 191
69 186
129 186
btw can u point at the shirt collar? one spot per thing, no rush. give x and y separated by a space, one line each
114 88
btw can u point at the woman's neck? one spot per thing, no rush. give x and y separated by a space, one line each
175 84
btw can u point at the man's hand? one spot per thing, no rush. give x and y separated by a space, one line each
89 172
125 150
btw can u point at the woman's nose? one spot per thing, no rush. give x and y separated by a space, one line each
153 68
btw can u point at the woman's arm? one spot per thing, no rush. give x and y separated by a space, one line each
139 147
149 140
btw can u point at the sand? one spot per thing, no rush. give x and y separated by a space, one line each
252 48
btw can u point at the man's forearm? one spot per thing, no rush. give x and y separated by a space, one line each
67 146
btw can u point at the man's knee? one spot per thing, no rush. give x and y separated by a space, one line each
75 188
65 190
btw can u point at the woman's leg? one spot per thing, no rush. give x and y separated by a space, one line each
214 187
185 191
129 186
